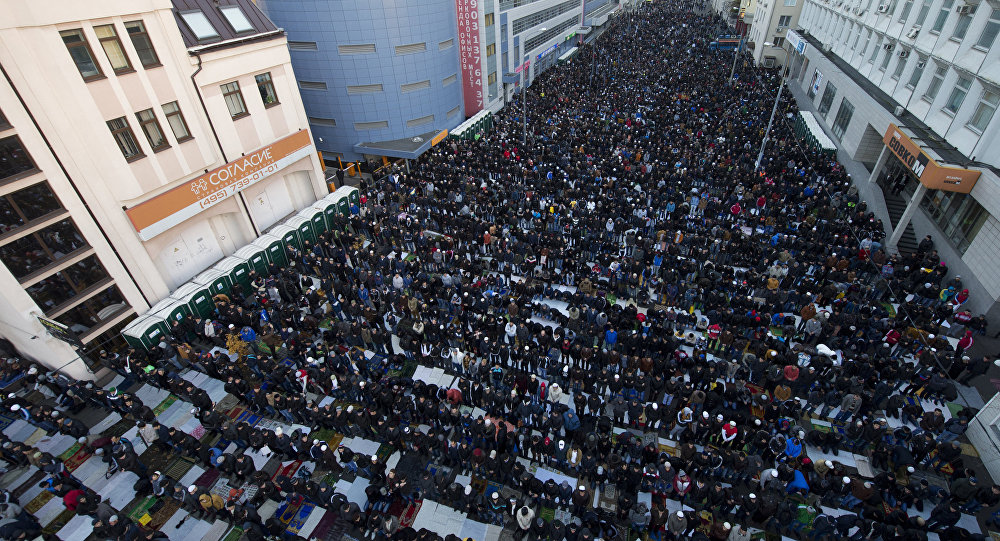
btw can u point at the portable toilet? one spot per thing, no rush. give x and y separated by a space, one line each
304 227
144 332
237 269
165 302
255 256
174 310
329 209
197 297
343 205
289 235
274 248
316 216
216 281
354 196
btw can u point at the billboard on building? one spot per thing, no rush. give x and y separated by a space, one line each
469 54
931 174
156 215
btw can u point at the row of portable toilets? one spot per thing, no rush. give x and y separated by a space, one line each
195 297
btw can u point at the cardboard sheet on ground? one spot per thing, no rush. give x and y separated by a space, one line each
544 474
55 445
78 528
217 530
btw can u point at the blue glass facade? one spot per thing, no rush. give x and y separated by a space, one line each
409 48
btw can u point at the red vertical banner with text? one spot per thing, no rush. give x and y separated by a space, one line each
469 55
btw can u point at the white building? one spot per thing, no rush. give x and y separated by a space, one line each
909 89
771 21
140 142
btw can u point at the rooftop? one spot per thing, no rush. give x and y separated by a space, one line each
207 23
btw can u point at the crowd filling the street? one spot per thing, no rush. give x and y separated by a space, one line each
611 324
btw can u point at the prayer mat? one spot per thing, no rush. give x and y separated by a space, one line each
70 452
547 514
77 459
384 452
5 421
178 468
38 502
120 428
59 522
410 514
287 470
35 437
157 457
236 412
234 534
299 519
162 515
167 402
208 478
141 508
324 526
287 511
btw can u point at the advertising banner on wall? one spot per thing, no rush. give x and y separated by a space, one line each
817 80
469 54
931 174
156 215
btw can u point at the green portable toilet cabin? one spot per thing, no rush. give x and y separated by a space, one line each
316 217
255 256
289 236
354 196
329 209
343 205
197 297
238 271
274 248
304 227
217 282
174 310
145 332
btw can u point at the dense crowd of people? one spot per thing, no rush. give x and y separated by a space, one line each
626 266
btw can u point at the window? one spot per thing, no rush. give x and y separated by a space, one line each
887 57
784 20
303 46
925 8
176 121
266 88
4 124
234 99
151 128
412 48
900 66
446 43
958 94
453 111
789 3
81 54
936 81
362 48
143 45
989 34
377 125
199 25
113 48
489 20
413 87
984 111
491 49
236 18
14 160
958 216
26 205
492 79
962 26
123 135
827 100
942 15
37 250
843 118
364 89
778 42
917 73
875 50
449 79
414 122
907 7
320 121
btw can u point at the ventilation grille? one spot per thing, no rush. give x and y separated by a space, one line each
449 79
378 125
322 121
411 87
302 45
445 44
364 48
411 48
453 112
364 89
312 85
419 121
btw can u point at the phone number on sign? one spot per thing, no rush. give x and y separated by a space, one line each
231 190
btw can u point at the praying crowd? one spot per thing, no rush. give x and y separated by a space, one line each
650 336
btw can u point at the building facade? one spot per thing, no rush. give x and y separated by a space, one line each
375 74
141 142
771 21
910 89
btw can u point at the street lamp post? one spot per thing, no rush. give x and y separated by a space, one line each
774 110
524 83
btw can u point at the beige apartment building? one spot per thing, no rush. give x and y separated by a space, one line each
141 142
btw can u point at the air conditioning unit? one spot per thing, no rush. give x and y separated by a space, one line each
964 9
921 64
888 46
779 29
913 31
903 53
884 8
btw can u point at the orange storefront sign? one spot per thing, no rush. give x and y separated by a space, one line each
156 215
931 174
